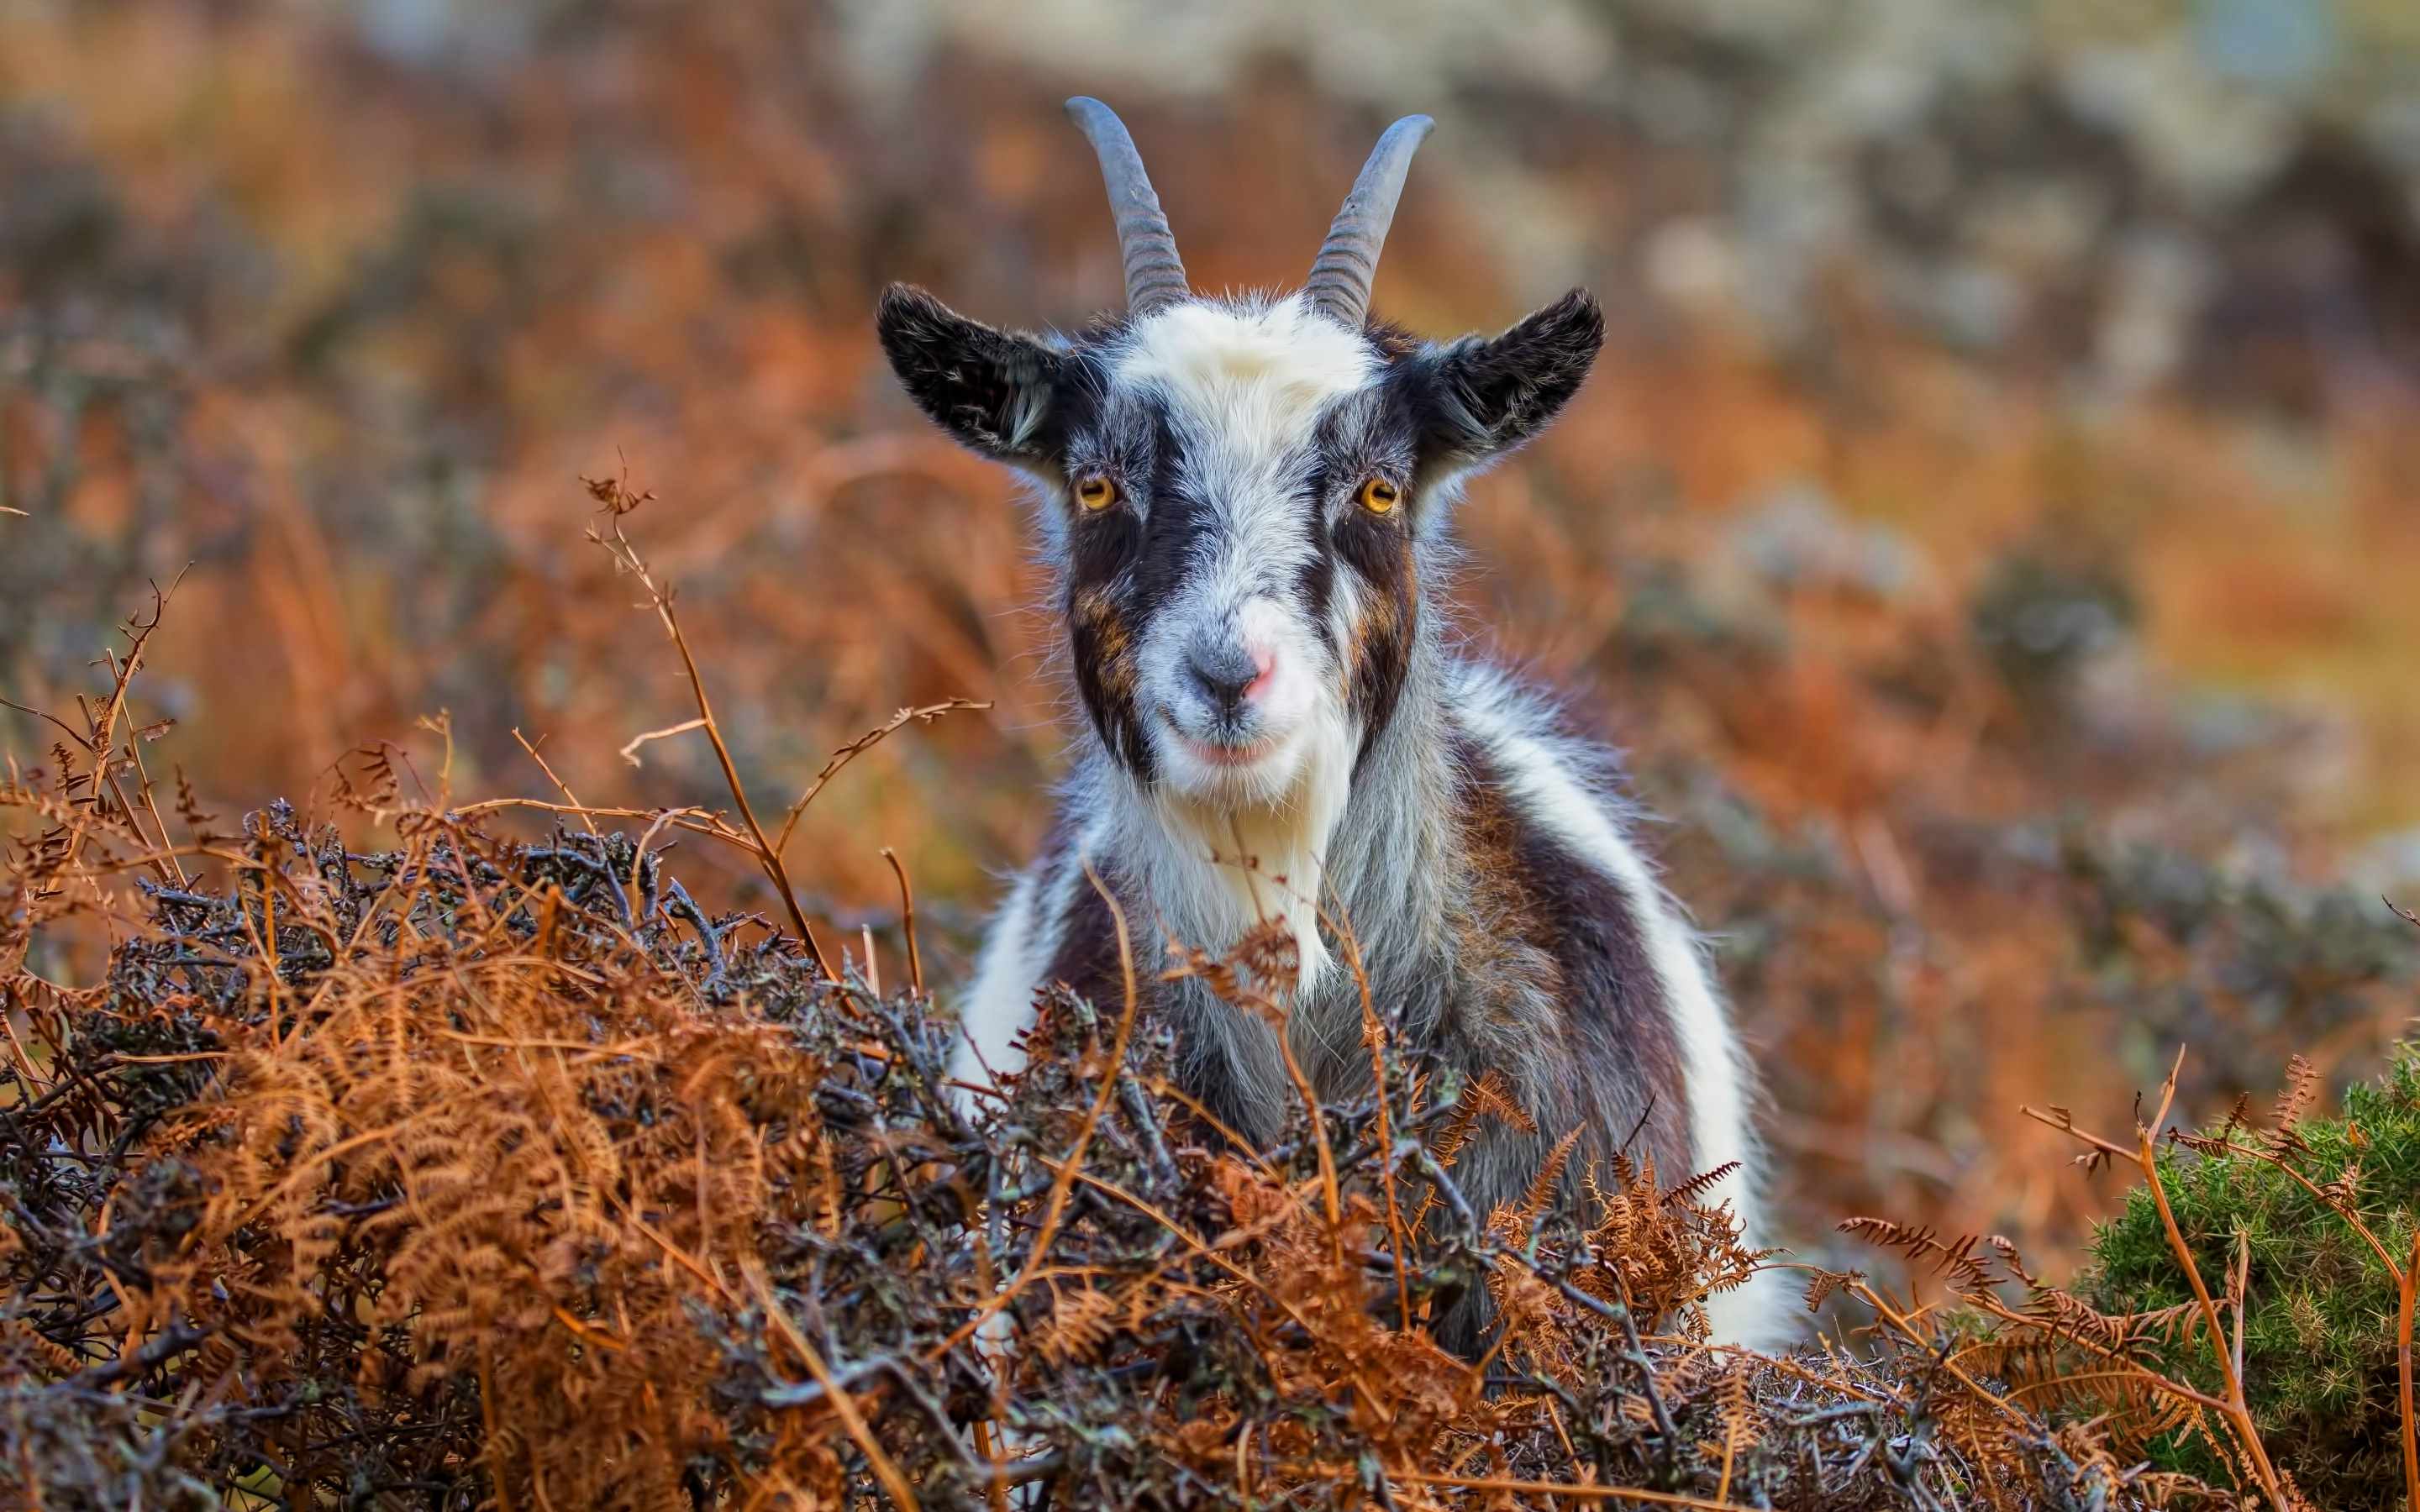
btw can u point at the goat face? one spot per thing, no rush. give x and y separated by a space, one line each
1240 496
1237 495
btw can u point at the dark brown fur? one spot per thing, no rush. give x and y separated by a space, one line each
1625 1063
1379 550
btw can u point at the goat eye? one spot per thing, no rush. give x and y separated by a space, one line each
1378 496
1095 493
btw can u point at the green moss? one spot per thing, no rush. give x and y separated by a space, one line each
2320 1350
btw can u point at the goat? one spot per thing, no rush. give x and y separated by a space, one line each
1246 503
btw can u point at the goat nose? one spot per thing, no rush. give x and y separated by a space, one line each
1225 673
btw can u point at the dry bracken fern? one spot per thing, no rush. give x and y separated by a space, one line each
480 1173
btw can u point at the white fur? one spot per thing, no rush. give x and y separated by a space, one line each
1217 869
1016 951
1246 385
1543 782
1256 373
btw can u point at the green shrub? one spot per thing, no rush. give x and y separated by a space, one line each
2320 1346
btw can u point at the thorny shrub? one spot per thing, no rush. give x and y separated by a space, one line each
2322 1209
2247 1319
477 1172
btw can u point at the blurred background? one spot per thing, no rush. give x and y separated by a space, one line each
1993 530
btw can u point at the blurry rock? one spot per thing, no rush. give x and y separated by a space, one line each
1798 538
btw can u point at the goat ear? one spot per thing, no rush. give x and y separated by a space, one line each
996 391
1487 396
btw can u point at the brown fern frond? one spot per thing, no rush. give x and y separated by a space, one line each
2014 1262
197 822
1550 1175
2342 1192
379 790
2061 1314
1485 1097
1742 1428
1698 1185
2295 1098
2237 1117
1081 1324
2132 1404
1491 1096
1825 1285
1969 1273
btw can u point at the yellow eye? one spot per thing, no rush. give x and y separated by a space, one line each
1378 496
1095 493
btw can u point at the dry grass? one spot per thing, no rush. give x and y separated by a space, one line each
476 1173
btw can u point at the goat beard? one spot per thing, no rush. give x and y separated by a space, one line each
1227 863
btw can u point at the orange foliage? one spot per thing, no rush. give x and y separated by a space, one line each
657 244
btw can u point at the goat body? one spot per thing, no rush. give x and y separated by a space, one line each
1247 505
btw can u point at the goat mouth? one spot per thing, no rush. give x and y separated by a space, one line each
1249 754
1224 754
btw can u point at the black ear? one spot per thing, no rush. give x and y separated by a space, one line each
999 392
1482 397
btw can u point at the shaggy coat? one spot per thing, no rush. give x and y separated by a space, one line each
1246 503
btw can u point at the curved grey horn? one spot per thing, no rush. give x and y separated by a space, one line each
1338 284
1154 275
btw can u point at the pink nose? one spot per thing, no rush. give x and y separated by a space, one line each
1265 671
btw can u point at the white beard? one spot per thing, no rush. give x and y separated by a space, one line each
1215 869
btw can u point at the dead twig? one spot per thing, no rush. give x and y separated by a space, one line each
856 747
617 501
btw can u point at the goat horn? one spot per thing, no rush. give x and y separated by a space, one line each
1154 274
1338 284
